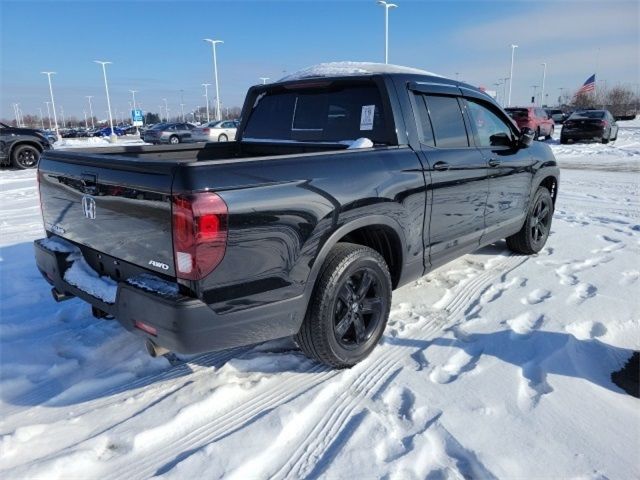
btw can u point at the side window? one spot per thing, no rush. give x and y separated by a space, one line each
489 127
424 124
447 122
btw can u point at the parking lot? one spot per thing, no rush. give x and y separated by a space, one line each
484 371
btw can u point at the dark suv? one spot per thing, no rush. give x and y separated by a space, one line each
21 147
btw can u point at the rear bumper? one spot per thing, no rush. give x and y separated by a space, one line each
183 324
582 134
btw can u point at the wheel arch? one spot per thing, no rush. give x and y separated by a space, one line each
379 232
21 143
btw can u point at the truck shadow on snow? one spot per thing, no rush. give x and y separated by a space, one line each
537 354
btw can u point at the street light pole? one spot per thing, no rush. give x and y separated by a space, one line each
386 6
91 110
86 123
53 103
62 115
206 96
544 77
264 79
48 114
166 110
106 87
15 112
513 50
215 73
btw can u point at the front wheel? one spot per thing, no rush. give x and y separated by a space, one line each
25 156
535 231
349 308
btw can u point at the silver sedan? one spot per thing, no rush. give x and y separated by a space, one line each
220 131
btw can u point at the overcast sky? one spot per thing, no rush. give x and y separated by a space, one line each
157 48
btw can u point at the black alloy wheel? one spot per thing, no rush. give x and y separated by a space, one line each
358 310
534 233
541 220
349 307
25 156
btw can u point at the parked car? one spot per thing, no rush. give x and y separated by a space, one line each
170 133
534 118
50 135
106 132
21 147
220 131
598 125
557 115
287 230
130 130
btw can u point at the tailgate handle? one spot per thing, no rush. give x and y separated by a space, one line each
89 183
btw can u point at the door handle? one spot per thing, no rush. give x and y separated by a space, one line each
494 162
441 166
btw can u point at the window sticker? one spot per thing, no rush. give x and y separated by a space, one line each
366 118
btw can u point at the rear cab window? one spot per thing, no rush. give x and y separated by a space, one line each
331 113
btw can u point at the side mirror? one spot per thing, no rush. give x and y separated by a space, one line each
526 137
500 140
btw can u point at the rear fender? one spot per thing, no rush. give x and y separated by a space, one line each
340 233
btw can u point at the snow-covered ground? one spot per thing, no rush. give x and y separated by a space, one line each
495 365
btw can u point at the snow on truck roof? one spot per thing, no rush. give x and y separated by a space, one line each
342 69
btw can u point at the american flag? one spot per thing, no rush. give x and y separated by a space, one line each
588 86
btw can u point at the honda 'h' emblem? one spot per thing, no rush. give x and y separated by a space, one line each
89 207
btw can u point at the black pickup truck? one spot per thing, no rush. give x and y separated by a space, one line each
289 230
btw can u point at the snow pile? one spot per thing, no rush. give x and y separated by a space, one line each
92 142
359 143
154 284
81 275
57 244
343 69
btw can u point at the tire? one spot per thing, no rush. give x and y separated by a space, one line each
563 141
336 330
537 137
174 139
605 140
223 138
548 137
25 156
535 231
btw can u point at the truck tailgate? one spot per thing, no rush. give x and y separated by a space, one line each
113 204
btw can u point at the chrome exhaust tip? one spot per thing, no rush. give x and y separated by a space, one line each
153 349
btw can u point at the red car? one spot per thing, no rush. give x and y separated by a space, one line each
534 118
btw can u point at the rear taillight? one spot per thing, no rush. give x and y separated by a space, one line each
206 130
604 124
199 233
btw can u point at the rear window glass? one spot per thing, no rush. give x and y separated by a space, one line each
329 114
448 125
593 114
518 112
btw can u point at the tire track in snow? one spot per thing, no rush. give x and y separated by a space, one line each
163 458
326 430
43 397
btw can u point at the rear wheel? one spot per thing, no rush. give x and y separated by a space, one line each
222 138
538 133
535 231
25 156
548 137
174 139
349 307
